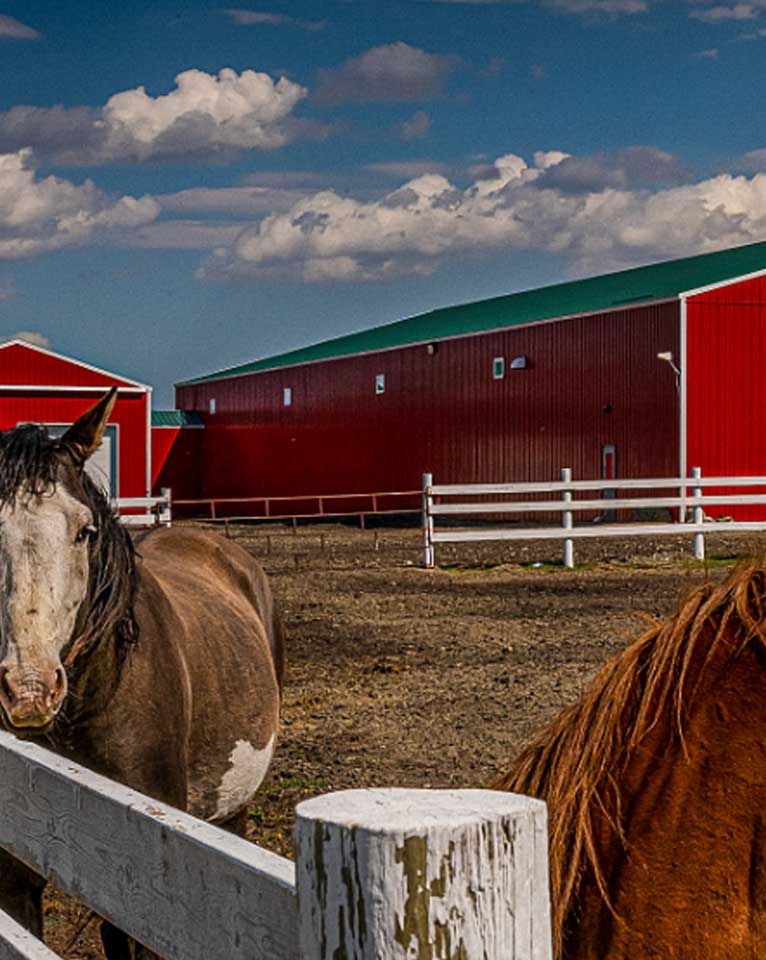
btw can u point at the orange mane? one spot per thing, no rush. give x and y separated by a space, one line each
575 764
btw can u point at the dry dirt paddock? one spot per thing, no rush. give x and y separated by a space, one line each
402 676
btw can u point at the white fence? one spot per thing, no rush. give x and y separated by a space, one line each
157 512
380 874
690 500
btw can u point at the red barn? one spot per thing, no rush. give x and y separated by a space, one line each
39 386
645 372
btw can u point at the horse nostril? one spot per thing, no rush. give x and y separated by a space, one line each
59 686
6 690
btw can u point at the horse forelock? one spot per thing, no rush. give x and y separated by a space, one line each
575 765
31 464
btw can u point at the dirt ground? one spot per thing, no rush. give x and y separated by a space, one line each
400 676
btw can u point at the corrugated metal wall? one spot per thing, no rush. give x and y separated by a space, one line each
129 414
590 382
25 366
726 384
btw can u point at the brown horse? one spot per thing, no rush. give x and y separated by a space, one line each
160 669
656 788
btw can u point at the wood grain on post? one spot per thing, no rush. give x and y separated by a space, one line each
393 874
182 887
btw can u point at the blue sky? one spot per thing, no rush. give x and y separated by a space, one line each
188 186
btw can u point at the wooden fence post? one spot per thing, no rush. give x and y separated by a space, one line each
566 519
388 874
698 516
428 522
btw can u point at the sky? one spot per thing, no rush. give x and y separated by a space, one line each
188 186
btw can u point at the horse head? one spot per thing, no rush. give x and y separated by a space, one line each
49 522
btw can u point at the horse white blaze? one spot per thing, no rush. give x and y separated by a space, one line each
248 768
45 567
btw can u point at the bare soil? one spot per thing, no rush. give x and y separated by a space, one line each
400 676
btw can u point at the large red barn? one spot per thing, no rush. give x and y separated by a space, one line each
40 386
645 372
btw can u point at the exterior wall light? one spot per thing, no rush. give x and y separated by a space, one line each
519 363
667 357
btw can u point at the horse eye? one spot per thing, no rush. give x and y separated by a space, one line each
85 533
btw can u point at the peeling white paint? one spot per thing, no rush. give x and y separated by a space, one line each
248 768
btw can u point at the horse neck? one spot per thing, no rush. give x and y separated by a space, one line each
692 811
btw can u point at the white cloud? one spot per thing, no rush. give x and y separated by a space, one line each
13 29
392 72
241 201
416 127
415 227
740 11
255 18
600 6
204 115
31 336
39 215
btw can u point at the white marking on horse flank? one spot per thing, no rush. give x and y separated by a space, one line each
244 776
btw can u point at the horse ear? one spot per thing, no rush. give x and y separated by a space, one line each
84 437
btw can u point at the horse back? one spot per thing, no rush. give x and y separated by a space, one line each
223 623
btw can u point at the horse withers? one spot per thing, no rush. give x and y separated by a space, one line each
160 667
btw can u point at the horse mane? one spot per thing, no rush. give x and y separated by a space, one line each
575 764
30 462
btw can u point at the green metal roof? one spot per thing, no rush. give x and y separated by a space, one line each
175 418
658 281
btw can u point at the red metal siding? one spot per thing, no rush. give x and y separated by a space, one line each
446 414
25 365
726 387
163 439
129 414
181 467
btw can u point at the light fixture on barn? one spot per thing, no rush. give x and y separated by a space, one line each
520 362
667 357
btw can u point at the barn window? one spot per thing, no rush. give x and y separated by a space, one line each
498 368
380 383
287 397
211 405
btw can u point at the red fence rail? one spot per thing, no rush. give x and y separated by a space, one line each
328 505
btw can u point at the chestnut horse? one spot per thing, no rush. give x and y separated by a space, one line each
656 790
160 669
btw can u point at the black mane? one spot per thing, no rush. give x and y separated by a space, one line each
31 464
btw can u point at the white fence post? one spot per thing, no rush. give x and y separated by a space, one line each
698 515
566 519
388 874
165 516
428 522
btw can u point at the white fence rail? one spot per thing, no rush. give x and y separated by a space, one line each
157 511
380 874
690 500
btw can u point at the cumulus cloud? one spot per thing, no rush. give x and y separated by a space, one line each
204 115
44 214
251 18
604 223
392 72
33 337
13 29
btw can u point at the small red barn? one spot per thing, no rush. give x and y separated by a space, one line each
645 372
40 386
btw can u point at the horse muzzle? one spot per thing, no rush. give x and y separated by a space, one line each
32 702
